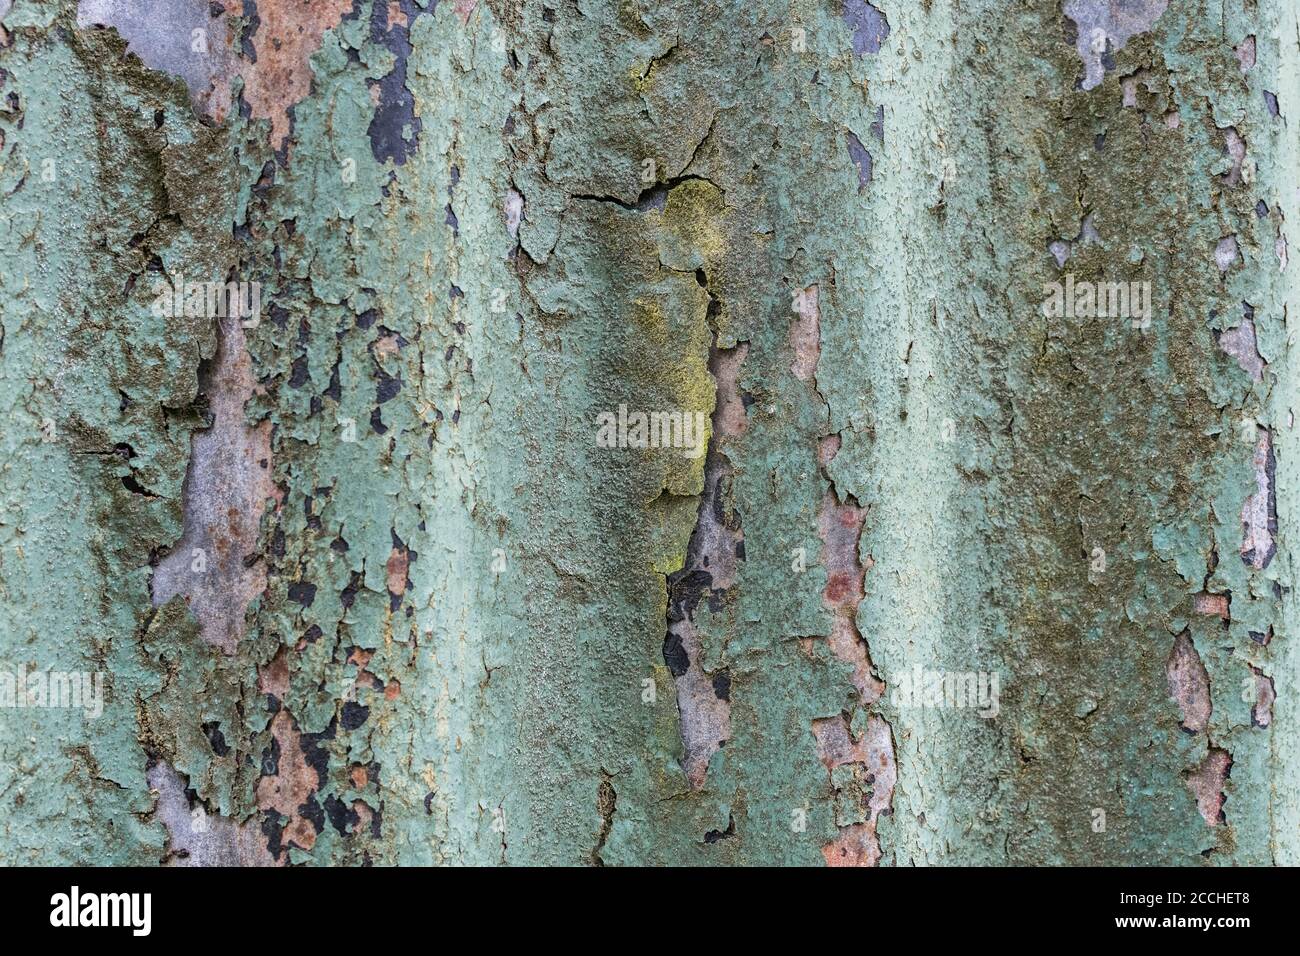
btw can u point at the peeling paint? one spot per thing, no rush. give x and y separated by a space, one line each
1189 684
213 566
1105 27
197 837
1207 782
1259 513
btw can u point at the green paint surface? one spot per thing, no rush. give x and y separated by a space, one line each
432 382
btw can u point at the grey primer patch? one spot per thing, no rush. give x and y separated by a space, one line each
861 158
1261 715
197 838
1105 26
1189 684
226 487
1240 344
1259 513
878 125
162 34
395 130
716 547
870 27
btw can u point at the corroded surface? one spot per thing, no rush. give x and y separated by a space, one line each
437 621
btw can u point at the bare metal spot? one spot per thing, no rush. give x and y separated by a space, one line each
1226 253
1105 26
870 26
730 417
289 33
1245 51
227 484
712 558
273 678
840 527
827 449
180 37
1215 605
705 717
1206 783
1129 88
198 838
293 782
862 159
1189 684
1236 147
514 212
1259 513
398 563
1060 250
464 8
1240 344
805 334
1261 715
862 795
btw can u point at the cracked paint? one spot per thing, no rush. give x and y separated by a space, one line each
437 632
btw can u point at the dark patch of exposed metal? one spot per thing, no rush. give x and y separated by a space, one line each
870 27
354 715
216 739
252 22
861 158
1270 469
395 130
341 816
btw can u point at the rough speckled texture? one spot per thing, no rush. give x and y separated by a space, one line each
827 228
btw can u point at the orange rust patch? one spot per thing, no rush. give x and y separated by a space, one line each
294 781
841 527
856 845
360 776
393 690
730 417
1215 604
301 833
398 562
290 32
1206 783
274 677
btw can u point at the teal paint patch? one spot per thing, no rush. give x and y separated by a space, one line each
458 653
